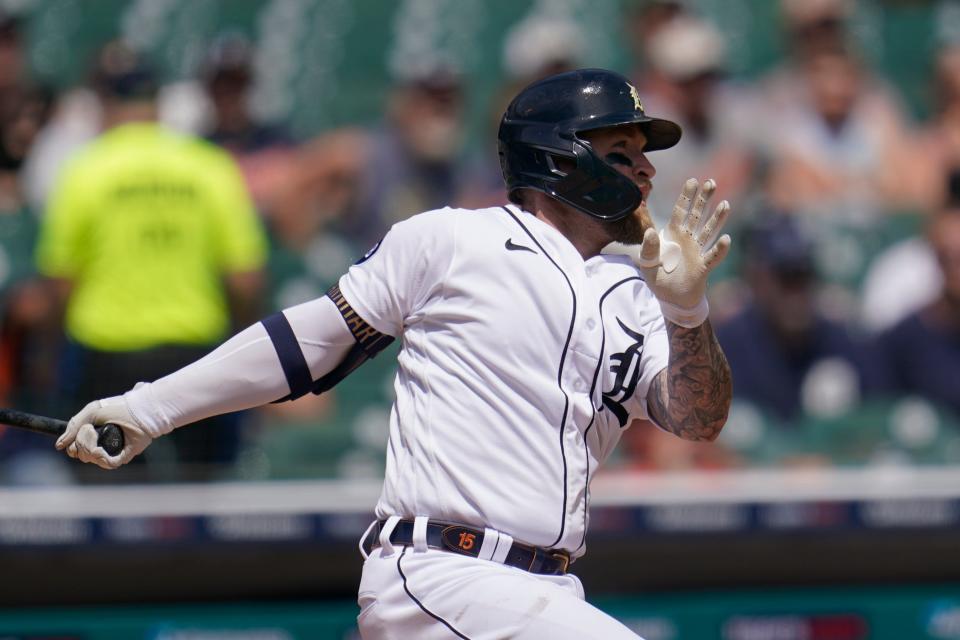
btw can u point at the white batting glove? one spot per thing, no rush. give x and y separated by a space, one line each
676 262
80 438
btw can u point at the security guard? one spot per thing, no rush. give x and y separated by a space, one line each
155 249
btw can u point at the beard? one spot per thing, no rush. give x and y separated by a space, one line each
629 230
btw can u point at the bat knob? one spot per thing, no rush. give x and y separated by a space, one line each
110 437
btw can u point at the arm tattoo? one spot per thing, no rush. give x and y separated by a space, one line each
691 397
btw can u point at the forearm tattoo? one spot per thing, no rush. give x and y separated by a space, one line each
691 397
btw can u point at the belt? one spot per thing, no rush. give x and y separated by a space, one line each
467 541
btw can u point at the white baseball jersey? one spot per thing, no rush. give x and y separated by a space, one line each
521 364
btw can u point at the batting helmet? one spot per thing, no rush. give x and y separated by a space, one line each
542 123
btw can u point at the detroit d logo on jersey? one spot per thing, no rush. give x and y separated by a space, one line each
625 367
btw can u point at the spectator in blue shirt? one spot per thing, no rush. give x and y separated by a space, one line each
777 341
922 351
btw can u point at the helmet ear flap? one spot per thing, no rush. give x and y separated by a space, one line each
579 178
596 188
560 165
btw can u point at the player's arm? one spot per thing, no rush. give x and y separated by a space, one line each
250 369
305 348
691 397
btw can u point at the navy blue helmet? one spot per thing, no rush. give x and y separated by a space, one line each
542 124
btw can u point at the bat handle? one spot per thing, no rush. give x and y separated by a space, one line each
110 437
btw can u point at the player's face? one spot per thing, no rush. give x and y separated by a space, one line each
622 148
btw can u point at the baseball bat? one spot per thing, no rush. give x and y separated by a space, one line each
109 436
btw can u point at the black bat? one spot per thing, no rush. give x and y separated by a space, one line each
109 436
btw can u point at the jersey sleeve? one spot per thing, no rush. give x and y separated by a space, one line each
392 283
245 371
241 240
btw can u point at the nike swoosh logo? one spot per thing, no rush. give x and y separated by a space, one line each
516 247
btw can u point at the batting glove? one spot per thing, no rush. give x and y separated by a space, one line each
676 262
80 438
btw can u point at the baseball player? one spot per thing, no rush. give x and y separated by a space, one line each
525 353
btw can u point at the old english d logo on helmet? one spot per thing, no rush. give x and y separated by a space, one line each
542 124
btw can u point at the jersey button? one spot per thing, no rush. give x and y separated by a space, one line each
591 324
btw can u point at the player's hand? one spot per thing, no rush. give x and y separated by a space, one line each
676 262
80 438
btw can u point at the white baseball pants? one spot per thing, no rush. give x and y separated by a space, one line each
438 595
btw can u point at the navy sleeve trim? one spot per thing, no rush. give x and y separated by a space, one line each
291 357
369 343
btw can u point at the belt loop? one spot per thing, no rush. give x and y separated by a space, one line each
420 534
363 539
503 548
491 537
386 547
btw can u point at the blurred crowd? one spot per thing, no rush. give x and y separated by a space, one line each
137 233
